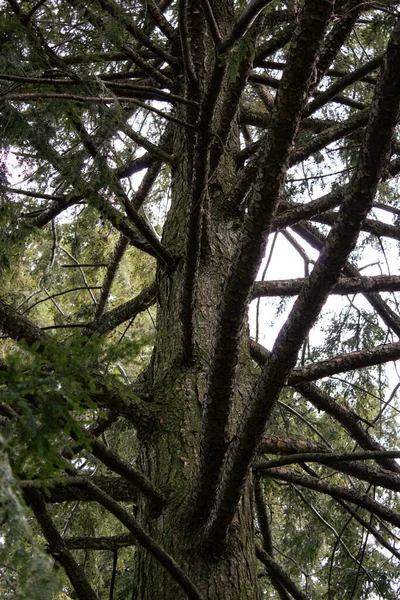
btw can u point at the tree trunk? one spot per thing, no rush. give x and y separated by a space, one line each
169 456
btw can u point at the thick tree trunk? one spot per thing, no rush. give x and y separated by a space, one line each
169 456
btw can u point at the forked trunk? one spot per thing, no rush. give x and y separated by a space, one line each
169 455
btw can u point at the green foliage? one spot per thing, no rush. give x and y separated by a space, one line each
240 53
49 399
74 150
27 573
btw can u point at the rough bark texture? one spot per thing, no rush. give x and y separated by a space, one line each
170 455
193 471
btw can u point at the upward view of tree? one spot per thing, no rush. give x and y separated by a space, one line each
175 421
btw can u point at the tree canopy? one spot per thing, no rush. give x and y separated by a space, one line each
199 305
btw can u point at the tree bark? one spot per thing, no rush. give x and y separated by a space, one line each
169 456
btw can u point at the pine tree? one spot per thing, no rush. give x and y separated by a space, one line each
174 422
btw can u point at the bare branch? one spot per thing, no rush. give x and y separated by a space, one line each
345 362
303 151
160 21
110 275
19 328
145 230
141 141
76 289
113 542
344 286
344 462
211 22
85 281
339 85
244 22
185 45
69 489
350 12
336 132
36 194
316 240
274 44
276 445
125 470
53 210
130 309
273 567
263 521
367 525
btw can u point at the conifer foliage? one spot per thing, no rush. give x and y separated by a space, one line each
199 306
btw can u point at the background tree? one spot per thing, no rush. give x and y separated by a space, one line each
157 159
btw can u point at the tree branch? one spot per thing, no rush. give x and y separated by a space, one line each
316 240
114 542
354 496
367 525
18 328
290 213
273 567
244 22
373 158
334 133
144 540
69 489
211 22
265 530
109 277
273 444
344 286
124 469
274 44
136 32
345 362
345 463
197 208
185 42
349 420
272 164
374 155
94 197
57 546
339 85
351 10
303 151
374 227
129 310
160 21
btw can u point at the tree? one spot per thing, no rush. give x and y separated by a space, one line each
162 152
